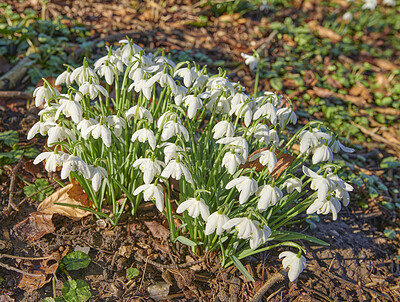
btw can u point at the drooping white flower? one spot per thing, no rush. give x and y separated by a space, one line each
274 137
53 160
342 188
180 93
75 163
83 74
84 125
176 169
166 117
336 146
261 133
311 138
143 135
266 158
319 182
325 206
117 122
215 223
42 93
246 228
240 144
347 16
389 2
93 89
189 75
193 103
141 112
251 61
286 115
269 196
58 134
268 110
164 79
96 175
128 50
232 160
295 263
322 153
152 192
40 127
223 128
70 108
369 4
171 151
247 186
142 86
292 184
243 110
195 207
64 77
172 128
149 167
107 72
99 130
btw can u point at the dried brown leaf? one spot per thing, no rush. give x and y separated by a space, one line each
324 32
157 230
385 64
35 226
159 291
323 92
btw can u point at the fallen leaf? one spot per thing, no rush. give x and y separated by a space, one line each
159 291
385 64
35 226
157 230
309 78
325 32
334 83
360 90
323 92
382 80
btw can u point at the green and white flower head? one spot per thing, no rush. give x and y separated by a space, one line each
274 137
83 74
84 125
261 133
142 112
173 128
70 108
44 94
311 139
193 103
64 77
58 134
93 90
286 115
99 131
266 158
189 75
215 223
149 167
107 72
171 151
251 61
223 128
246 185
296 263
96 175
325 206
53 160
40 127
243 111
75 164
292 184
143 135
118 123
268 111
246 229
232 160
336 146
322 153
195 208
319 183
176 169
269 196
240 144
370 4
152 192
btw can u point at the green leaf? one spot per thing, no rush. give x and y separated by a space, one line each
48 299
10 157
241 268
39 184
389 233
276 84
76 291
76 260
31 152
390 163
9 137
132 273
185 241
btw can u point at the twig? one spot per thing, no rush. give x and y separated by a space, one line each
11 78
164 266
267 42
12 183
278 277
24 258
15 94
11 268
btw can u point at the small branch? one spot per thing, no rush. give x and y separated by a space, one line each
24 258
12 183
15 95
267 42
278 277
12 78
11 268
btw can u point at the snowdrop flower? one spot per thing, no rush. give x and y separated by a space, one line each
143 135
247 186
243 110
217 104
239 142
176 169
348 16
260 235
83 74
336 146
195 207
152 192
64 77
114 58
193 103
261 133
99 130
142 112
58 134
322 153
149 167
274 137
231 161
223 128
70 108
84 125
136 75
75 163
251 61
266 158
128 50
239 98
164 79
189 75
96 175
167 116
93 90
106 71
53 160
389 2
369 4
292 184
220 83
325 206
171 151
40 127
42 93
172 128
268 110
143 87
269 196
320 183
295 263
342 188
310 139
246 228
286 115
181 92
117 122
201 80
215 223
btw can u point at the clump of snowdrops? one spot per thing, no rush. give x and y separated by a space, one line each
135 122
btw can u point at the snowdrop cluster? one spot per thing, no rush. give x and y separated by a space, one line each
138 127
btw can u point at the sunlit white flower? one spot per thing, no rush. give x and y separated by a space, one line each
232 160
99 130
84 125
369 4
223 128
152 192
269 196
193 103
171 151
219 84
274 137
141 112
322 153
40 127
93 90
247 186
143 135
215 223
96 175
325 206
252 61
74 163
189 75
286 115
336 146
164 79
267 110
246 228
167 116
172 128
347 16
58 134
142 86
295 263
243 110
261 133
128 50
292 184
83 74
53 160
319 182
240 143
64 78
70 108
149 167
266 158
310 139
180 93
389 2
106 71
41 94
117 122
195 207
176 169
342 188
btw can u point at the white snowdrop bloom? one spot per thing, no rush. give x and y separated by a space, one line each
274 137
82 75
43 93
193 103
176 169
149 167
243 110
319 182
265 233
172 128
342 188
310 139
74 164
246 228
128 50
261 133
53 160
220 83
239 142
215 223
219 105
251 61
267 110
247 186
322 153
292 184
96 175
167 116
70 108
40 127
369 4
145 62
239 98
64 77
223 128
266 158
152 192
181 92
164 60
114 59
231 161
99 130
84 125
164 79
171 151
389 2
93 90
286 115
272 97
201 80
107 72
142 112
336 146
296 264
189 75
143 87
136 75
48 113
325 206
58 134
348 16
195 208
143 135
269 196
260 234
117 122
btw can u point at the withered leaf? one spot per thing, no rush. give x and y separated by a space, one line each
157 230
325 32
35 226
